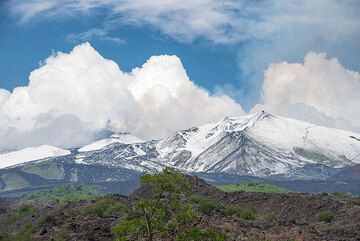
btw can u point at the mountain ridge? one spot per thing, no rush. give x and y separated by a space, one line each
261 144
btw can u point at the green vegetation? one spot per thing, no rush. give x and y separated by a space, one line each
325 216
3 235
64 193
13 181
341 195
157 215
271 217
24 209
106 207
61 235
205 205
23 235
196 234
45 218
247 213
47 170
347 197
254 187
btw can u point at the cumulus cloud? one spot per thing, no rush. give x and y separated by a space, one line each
320 90
288 30
264 31
74 97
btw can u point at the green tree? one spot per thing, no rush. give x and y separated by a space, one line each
162 211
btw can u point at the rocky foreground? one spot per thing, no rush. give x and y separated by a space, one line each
268 216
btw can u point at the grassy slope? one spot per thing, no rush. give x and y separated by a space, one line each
65 193
253 187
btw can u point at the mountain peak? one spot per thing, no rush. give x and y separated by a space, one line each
121 137
264 114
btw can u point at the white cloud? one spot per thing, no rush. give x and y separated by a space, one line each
225 21
320 90
184 20
264 31
101 34
288 30
73 97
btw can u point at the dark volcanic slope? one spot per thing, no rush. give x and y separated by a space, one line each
296 212
350 173
296 216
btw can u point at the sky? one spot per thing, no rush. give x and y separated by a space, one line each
73 70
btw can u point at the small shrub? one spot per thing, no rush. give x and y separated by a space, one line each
24 234
128 226
24 208
196 234
205 206
100 207
271 217
231 209
45 218
325 216
247 213
105 207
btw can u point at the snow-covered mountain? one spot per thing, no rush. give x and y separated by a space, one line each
30 154
124 138
261 145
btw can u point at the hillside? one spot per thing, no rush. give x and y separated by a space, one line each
215 215
253 187
349 173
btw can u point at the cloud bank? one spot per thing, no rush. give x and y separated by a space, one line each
264 31
78 97
75 98
320 90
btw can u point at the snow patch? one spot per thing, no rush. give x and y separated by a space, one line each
30 154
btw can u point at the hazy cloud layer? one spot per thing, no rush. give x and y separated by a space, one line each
102 34
226 21
184 20
73 98
320 90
